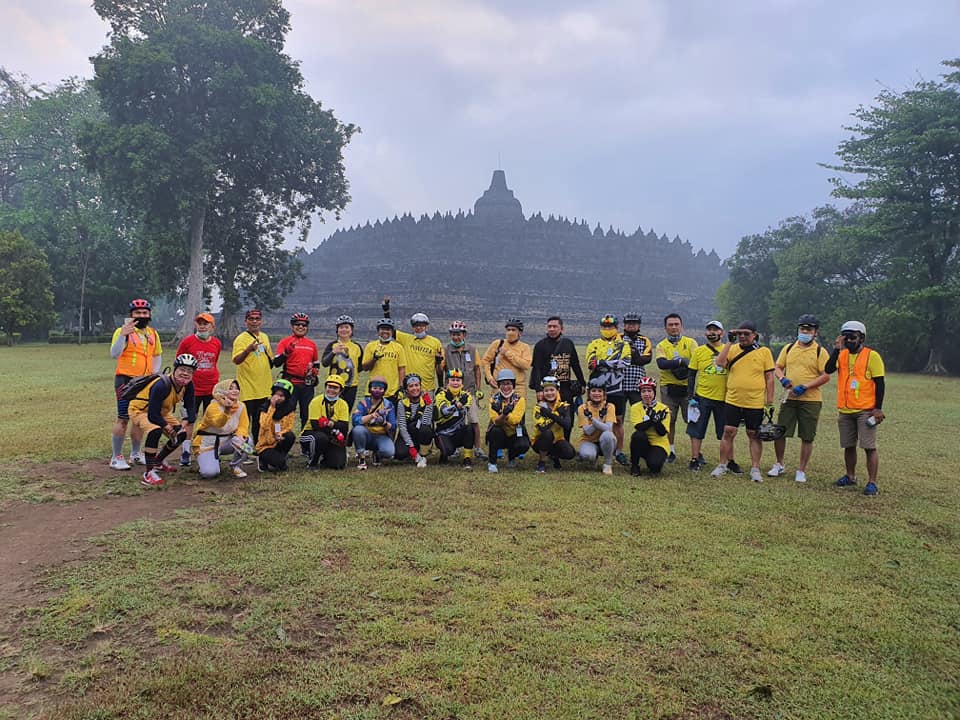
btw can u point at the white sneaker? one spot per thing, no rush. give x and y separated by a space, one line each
777 470
238 471
117 462
719 470
607 469
801 476
755 475
492 467
138 458
421 462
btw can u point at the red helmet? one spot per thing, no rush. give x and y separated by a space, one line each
647 382
140 304
299 317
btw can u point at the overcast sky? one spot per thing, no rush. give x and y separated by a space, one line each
697 118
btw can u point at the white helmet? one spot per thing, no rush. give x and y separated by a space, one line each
419 318
854 326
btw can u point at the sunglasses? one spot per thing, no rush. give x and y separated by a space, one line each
300 324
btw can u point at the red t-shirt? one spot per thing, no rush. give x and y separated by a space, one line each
207 353
301 352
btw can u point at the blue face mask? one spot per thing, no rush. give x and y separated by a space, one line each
420 335
805 338
458 343
673 338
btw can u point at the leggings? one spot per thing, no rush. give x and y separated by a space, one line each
497 439
275 458
641 449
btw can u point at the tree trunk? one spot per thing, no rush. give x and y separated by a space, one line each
83 287
934 364
195 276
229 326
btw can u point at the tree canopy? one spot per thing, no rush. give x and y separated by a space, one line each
25 296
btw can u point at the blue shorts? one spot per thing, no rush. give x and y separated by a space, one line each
698 429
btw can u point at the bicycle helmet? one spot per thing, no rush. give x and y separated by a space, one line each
299 317
647 382
334 380
768 430
410 378
344 320
140 304
854 326
386 322
458 326
506 375
549 381
419 318
514 322
609 319
632 317
597 383
455 373
285 385
185 360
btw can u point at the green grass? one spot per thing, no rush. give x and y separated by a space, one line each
439 594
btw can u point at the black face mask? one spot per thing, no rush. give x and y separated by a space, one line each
746 346
852 345
141 322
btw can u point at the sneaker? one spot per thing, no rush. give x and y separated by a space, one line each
376 460
734 468
634 471
621 458
421 461
521 456
607 469
468 464
701 460
138 458
512 464
361 462
151 479
801 476
185 459
117 462
846 481
238 471
719 470
541 467
777 470
479 454
311 467
870 489
163 467
755 475
694 465
672 457
492 467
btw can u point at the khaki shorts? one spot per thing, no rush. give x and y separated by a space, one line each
142 420
802 414
853 427
473 414
676 404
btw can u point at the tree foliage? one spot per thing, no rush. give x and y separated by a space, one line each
26 300
210 134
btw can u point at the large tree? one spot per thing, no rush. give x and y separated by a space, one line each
25 297
905 156
208 118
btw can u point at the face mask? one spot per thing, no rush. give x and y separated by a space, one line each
805 338
203 335
458 343
608 333
377 393
386 340
332 397
746 345
512 335
420 335
141 322
852 345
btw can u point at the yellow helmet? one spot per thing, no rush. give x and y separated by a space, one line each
335 379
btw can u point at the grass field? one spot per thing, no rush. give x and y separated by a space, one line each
441 594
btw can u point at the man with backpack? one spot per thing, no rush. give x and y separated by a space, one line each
801 370
508 353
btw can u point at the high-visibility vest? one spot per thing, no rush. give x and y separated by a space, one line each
854 390
137 356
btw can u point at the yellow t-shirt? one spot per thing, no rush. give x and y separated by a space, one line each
422 357
392 358
711 380
607 414
747 380
338 365
638 414
318 409
667 350
254 373
804 364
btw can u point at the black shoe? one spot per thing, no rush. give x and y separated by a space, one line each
694 465
556 463
734 468
262 466
634 471
444 459
672 457
701 460
621 458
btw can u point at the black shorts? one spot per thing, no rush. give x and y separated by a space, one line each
123 406
619 402
750 417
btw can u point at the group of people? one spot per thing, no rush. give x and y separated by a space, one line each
424 394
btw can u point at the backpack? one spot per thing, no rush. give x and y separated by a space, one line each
130 389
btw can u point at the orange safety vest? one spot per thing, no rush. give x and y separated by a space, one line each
137 356
855 391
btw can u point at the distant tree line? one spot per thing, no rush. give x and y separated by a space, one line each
891 257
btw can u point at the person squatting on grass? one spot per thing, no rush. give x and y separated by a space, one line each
414 421
373 424
324 441
649 419
137 350
553 418
860 390
507 430
596 418
454 429
152 412
276 428
223 430
461 355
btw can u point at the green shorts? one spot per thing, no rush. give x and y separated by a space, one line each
802 414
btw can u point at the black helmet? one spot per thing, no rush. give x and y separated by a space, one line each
808 319
768 430
514 322
597 383
344 320
632 317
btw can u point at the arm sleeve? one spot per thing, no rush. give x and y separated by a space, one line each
602 426
691 382
157 363
189 406
357 417
519 356
566 419
402 424
392 414
158 394
327 358
831 365
881 387
119 342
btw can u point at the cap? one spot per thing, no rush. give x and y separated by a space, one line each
748 325
715 323
204 317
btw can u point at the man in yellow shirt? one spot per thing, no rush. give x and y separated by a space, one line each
424 351
253 356
673 355
386 357
749 390
508 353
801 370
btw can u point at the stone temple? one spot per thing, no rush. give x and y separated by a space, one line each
484 266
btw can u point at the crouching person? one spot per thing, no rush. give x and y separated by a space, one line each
454 429
373 424
414 421
650 420
223 430
596 418
552 417
507 430
276 428
152 411
324 442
